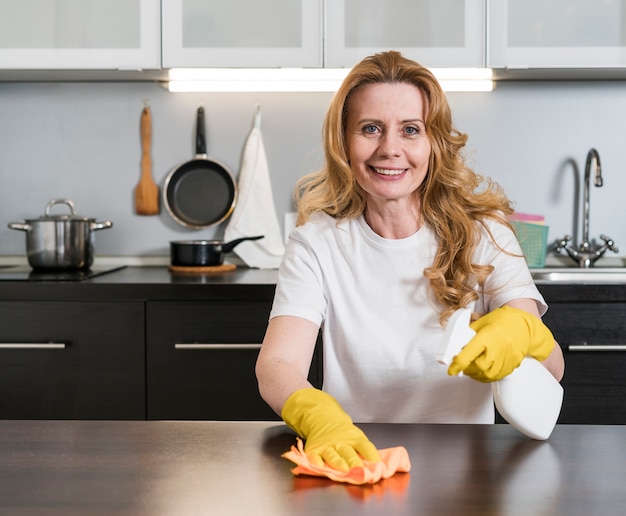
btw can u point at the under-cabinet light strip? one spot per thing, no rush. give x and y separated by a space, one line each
304 79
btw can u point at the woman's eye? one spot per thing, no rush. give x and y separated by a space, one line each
370 129
411 130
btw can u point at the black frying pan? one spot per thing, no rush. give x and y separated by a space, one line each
202 192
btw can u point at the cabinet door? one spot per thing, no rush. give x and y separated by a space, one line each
593 338
241 33
557 34
201 357
71 360
80 34
436 33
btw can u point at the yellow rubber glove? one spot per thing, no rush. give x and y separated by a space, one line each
330 435
504 337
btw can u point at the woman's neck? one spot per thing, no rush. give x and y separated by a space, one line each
393 222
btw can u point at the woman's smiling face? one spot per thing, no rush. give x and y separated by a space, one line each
386 138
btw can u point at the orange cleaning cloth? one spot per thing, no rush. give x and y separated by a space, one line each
393 460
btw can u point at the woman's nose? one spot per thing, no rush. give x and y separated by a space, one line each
389 145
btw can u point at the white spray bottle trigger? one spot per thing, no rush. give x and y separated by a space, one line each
456 335
530 398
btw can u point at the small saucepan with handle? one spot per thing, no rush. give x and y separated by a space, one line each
202 253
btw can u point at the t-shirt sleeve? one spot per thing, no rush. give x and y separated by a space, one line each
300 285
511 278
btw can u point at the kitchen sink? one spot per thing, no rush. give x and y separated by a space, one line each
574 275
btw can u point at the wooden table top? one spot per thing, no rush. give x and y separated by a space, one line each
235 468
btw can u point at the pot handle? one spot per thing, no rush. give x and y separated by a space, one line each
60 201
94 226
20 225
229 246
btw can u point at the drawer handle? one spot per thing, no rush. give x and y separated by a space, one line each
32 345
599 347
196 345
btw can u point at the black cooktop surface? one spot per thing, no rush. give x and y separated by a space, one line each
26 273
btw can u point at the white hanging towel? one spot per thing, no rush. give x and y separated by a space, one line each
255 213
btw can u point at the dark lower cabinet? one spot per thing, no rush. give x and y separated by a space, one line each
133 360
201 357
72 360
593 338
193 359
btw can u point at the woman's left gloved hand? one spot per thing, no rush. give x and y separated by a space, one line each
504 337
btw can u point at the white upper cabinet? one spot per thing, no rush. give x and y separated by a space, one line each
56 36
436 33
582 34
79 34
242 33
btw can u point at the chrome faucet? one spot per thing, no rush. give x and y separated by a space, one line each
585 255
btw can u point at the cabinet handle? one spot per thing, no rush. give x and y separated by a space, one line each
599 347
32 345
196 345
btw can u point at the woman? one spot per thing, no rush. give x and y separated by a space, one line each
394 234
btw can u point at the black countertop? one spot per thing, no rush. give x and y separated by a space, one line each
159 283
235 468
150 283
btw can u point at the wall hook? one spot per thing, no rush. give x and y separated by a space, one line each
257 116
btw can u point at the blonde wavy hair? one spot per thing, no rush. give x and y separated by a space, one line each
454 200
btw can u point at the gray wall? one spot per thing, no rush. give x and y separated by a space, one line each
81 141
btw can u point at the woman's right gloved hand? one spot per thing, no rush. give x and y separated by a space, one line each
331 437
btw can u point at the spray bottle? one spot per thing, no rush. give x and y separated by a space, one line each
530 398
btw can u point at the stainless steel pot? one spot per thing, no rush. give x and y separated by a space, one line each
63 241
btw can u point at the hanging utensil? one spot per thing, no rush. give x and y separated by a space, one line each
146 191
202 192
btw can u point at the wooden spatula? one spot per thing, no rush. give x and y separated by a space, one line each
146 191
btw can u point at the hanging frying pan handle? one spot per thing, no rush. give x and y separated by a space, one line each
200 132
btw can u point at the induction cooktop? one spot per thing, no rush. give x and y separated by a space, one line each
26 273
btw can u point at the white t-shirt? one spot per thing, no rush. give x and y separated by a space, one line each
380 323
